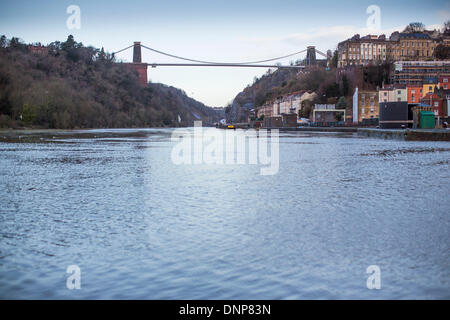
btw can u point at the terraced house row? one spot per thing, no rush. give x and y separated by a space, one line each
433 94
372 49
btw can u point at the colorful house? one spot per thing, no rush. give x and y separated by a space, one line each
429 84
393 93
414 94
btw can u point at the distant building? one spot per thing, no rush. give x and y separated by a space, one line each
436 102
362 51
393 93
414 93
428 86
401 46
327 113
289 104
417 72
411 46
266 111
444 82
394 115
365 105
38 49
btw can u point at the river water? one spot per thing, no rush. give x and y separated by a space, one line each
139 226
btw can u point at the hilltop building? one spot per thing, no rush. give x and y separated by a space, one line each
38 49
401 46
362 51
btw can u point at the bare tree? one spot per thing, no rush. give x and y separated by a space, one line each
415 27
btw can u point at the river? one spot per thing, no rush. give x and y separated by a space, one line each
139 226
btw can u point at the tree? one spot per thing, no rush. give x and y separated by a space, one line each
345 85
442 52
55 93
3 41
446 29
415 27
305 111
102 55
16 43
334 59
69 44
342 103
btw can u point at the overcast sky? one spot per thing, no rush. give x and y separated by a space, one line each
226 31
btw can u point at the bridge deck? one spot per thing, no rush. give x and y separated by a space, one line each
154 65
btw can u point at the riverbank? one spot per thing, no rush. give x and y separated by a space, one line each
53 135
317 129
406 134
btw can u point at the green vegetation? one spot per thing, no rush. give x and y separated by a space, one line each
73 86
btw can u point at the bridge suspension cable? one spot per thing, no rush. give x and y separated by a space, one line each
123 49
321 53
213 62
223 63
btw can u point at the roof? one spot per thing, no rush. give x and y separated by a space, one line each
416 35
425 112
395 86
430 80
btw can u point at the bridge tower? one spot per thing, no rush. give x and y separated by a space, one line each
137 65
137 55
311 56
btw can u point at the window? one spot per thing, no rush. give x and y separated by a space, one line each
399 99
445 80
413 91
445 87
385 94
436 104
399 92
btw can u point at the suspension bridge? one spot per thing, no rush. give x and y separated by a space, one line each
141 67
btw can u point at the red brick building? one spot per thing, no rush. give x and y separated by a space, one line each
436 102
444 83
38 49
